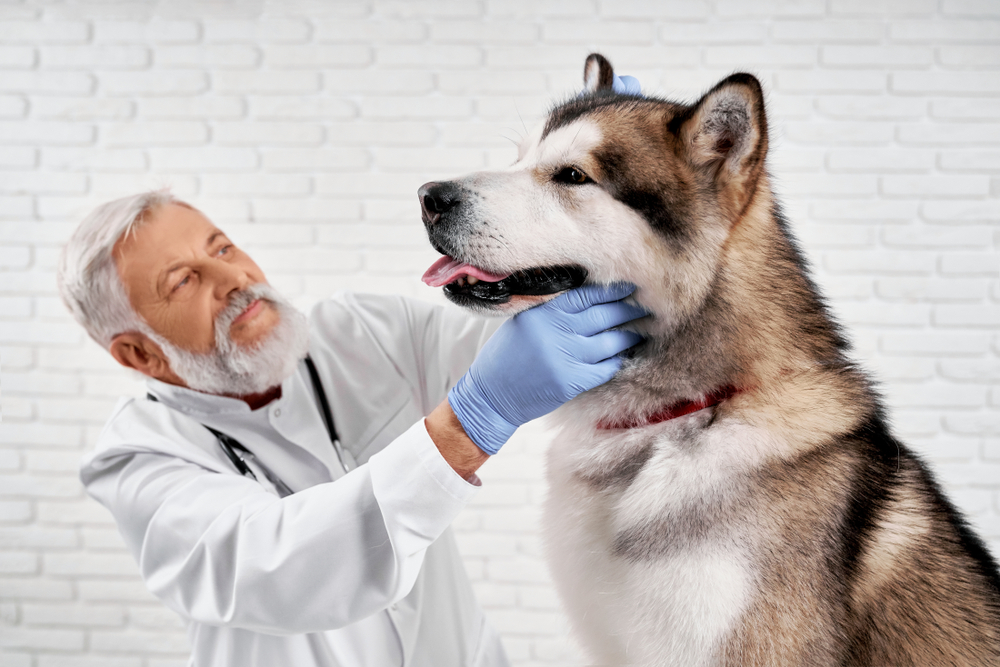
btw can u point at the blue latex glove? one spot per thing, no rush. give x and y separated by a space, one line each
623 85
541 358
626 85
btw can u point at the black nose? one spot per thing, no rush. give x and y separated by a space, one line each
437 198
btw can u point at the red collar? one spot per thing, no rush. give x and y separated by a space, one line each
678 409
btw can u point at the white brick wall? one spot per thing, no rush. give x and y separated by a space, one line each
306 127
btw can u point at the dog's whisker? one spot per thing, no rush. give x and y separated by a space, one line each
513 141
520 118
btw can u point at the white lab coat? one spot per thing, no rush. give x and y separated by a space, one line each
351 570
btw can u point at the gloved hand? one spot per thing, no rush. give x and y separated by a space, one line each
626 85
541 358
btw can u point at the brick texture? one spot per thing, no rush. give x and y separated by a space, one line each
306 128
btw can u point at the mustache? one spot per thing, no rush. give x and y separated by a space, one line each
239 302
230 369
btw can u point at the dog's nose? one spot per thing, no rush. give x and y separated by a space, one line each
435 199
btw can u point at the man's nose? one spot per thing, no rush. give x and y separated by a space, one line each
229 278
436 199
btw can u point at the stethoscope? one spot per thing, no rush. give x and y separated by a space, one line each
239 455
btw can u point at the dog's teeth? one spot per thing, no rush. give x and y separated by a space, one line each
472 280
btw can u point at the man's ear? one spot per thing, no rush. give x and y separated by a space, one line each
137 351
725 136
597 74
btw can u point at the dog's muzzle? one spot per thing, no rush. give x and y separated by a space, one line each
466 283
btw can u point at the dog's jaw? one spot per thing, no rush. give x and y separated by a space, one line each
518 303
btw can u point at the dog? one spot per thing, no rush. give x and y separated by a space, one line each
734 495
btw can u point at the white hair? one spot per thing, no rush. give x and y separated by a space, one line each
88 277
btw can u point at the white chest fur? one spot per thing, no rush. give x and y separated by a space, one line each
647 566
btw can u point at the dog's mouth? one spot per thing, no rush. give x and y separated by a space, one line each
464 281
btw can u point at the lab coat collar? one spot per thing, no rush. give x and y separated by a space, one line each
296 401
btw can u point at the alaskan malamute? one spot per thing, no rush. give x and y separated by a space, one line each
734 496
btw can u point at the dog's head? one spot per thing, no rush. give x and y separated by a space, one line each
611 187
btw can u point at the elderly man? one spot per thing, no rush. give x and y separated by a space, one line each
280 486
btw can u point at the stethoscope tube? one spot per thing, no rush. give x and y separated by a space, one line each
324 409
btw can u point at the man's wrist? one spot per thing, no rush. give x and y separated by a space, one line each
448 435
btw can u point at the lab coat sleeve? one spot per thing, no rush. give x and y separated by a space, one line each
220 550
446 340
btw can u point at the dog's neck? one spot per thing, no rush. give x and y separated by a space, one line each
761 325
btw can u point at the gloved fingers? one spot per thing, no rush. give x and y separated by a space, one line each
605 370
607 344
581 298
626 85
605 316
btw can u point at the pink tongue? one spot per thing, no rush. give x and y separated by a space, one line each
447 270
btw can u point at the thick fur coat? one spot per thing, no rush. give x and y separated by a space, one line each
784 525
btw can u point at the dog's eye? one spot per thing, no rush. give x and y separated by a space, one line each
573 176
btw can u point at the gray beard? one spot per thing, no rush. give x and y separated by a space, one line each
230 369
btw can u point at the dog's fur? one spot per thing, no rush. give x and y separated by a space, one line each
784 526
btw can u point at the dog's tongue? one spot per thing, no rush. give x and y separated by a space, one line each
448 269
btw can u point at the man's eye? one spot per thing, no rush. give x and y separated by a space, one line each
224 249
572 176
182 282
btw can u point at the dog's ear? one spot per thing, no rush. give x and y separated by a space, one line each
725 134
597 74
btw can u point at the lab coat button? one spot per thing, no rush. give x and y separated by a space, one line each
393 607
277 412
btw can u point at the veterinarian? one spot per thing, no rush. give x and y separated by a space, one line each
286 485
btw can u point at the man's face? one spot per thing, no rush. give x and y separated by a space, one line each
180 270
